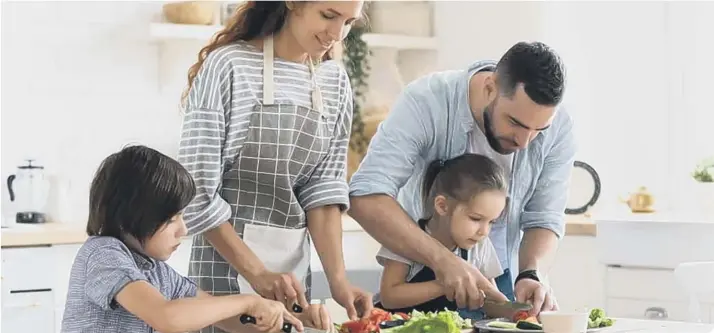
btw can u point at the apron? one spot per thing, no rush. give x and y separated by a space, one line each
283 146
440 303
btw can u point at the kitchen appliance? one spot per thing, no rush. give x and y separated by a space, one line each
28 192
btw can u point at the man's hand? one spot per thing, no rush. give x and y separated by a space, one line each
465 284
534 292
356 301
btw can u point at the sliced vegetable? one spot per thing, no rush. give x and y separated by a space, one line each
501 324
598 318
520 315
528 325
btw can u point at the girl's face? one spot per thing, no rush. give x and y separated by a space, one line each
471 221
318 25
166 240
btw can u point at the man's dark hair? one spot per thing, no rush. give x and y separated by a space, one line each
537 67
135 192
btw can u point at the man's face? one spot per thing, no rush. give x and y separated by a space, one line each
512 122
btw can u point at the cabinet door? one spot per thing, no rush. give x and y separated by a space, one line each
28 311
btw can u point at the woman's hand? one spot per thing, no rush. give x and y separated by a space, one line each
282 287
356 301
270 315
315 316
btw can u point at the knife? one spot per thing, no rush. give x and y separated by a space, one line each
515 306
287 327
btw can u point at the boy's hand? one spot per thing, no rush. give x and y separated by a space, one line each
315 316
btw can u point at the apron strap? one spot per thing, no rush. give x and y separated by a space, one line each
316 93
268 82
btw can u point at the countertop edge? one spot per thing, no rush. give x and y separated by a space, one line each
63 234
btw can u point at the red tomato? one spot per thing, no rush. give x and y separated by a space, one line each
378 315
520 315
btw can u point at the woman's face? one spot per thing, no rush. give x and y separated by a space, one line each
318 25
471 221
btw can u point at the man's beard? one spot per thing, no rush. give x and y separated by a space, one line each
489 132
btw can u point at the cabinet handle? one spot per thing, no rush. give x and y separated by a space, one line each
656 313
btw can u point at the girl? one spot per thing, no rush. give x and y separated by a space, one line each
265 136
462 198
120 282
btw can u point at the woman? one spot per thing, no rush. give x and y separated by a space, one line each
265 136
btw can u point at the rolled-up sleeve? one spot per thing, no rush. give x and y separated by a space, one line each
328 183
202 142
394 149
546 208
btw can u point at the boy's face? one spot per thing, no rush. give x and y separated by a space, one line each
166 240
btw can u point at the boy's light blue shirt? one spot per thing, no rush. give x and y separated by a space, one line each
415 133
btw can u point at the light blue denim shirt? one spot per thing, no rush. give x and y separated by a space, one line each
415 133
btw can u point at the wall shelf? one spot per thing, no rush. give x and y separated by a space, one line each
168 31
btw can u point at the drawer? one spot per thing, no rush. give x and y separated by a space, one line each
28 269
648 309
641 283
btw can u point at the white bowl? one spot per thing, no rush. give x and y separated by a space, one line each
564 322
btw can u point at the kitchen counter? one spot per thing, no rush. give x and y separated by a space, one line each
625 325
64 233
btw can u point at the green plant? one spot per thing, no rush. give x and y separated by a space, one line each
356 59
704 172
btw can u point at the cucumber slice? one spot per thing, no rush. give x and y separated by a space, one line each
501 324
527 325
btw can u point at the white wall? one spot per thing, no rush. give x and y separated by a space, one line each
638 87
80 80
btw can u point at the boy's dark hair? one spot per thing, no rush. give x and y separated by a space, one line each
537 67
135 192
460 178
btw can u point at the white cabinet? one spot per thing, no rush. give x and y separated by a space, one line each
28 311
28 290
576 275
650 294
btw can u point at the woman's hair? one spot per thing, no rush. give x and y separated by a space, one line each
460 178
136 191
251 20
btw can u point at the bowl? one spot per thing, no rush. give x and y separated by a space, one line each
564 322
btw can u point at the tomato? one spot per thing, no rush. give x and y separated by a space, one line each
378 315
403 315
520 315
532 319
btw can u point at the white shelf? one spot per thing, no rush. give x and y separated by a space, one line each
164 31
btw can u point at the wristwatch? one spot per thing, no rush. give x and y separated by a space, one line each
527 274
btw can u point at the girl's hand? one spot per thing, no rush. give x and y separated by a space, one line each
270 315
315 316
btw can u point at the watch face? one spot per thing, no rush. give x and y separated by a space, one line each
584 189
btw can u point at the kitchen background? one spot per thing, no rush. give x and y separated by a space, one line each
82 79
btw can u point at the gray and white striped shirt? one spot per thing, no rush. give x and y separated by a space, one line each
219 108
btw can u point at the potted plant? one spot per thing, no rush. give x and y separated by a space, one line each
703 174
356 59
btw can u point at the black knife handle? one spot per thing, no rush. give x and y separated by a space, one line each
247 319
287 327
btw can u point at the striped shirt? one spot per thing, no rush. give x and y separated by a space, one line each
102 267
218 113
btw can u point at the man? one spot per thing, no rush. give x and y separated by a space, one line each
505 110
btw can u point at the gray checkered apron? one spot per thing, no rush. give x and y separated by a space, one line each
283 146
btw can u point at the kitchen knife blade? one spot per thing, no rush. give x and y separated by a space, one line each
515 306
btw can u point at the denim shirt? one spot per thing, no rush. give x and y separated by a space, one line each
415 133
